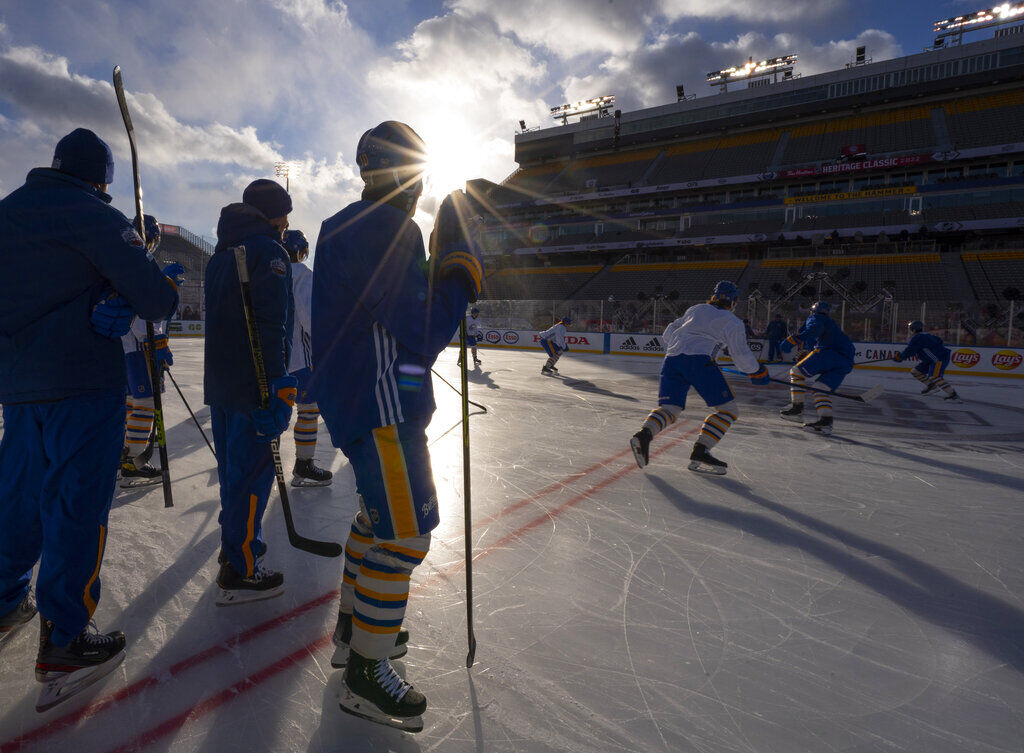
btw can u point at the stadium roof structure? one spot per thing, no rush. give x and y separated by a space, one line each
973 66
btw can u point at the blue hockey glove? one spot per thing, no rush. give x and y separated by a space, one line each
788 344
175 273
164 359
112 317
270 422
453 243
760 376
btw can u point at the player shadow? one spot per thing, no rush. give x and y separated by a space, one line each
584 385
340 732
479 376
478 727
989 623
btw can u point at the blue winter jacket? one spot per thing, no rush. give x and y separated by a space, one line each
777 330
378 324
820 332
928 348
230 376
61 247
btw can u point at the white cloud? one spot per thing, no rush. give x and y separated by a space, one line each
749 10
311 12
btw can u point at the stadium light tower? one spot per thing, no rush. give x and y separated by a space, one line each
595 107
755 74
954 28
284 170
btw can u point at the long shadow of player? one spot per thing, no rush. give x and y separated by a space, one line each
992 625
586 386
478 376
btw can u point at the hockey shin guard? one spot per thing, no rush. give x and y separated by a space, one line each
661 418
797 383
716 425
139 425
360 538
822 404
305 430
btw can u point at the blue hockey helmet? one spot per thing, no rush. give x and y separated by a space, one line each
916 326
567 319
821 307
474 312
295 243
391 159
725 291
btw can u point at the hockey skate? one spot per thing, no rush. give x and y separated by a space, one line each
67 671
374 691
236 588
954 398
931 386
476 361
822 426
343 636
794 412
641 446
17 618
702 461
133 475
306 473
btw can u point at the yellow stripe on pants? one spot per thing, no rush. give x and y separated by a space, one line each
396 481
90 603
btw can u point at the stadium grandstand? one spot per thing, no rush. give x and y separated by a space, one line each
193 252
891 187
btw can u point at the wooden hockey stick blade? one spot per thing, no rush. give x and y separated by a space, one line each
872 394
319 548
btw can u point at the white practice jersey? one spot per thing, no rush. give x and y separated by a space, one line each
302 291
135 337
704 329
556 335
474 328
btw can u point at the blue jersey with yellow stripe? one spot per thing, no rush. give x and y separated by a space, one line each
820 332
928 348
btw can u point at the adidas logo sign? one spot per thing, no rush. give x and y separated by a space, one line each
653 345
629 344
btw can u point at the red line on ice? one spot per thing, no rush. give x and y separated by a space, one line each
167 727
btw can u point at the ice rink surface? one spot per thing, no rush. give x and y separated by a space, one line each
863 592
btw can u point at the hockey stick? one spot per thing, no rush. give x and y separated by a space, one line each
466 496
877 360
320 548
154 370
189 407
475 405
865 397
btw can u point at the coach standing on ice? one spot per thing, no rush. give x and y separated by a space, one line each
380 317
65 253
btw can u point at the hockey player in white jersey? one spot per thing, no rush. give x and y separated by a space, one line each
554 343
691 344
305 472
474 332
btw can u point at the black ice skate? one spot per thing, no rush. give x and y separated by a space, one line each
954 398
133 475
69 670
929 388
476 361
641 446
374 691
236 588
794 412
343 637
18 617
822 426
702 461
306 473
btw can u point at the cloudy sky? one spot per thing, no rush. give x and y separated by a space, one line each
222 89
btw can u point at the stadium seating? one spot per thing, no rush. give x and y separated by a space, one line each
603 172
917 277
691 280
544 283
992 272
907 129
991 119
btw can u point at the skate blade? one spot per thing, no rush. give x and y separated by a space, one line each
310 482
352 704
634 444
823 432
134 483
243 596
711 470
340 658
67 686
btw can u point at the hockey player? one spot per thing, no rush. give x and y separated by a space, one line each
474 331
691 343
75 273
138 446
830 360
242 428
305 472
776 332
380 318
933 359
553 341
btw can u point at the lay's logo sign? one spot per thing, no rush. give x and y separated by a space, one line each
1005 360
966 358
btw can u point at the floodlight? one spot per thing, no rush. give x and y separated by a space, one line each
598 106
752 70
981 19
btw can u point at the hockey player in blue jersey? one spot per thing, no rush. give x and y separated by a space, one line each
933 358
691 344
305 472
75 273
830 360
381 315
242 428
554 342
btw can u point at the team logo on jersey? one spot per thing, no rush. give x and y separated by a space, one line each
1005 360
429 505
511 337
493 337
278 267
132 238
966 357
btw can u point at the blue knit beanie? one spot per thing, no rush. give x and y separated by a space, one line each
85 156
268 197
